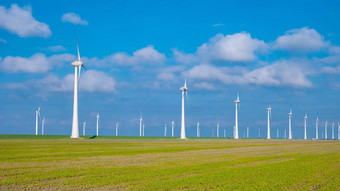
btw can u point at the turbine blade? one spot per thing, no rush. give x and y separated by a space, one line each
186 93
83 66
77 46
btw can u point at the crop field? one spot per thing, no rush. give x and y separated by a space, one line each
156 163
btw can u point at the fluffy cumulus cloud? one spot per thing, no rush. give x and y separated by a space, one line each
281 73
238 47
73 18
146 55
19 20
301 40
37 63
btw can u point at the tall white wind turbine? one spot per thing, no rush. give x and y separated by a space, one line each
42 126
305 129
140 125
237 104
326 123
333 130
198 129
184 89
165 130
116 128
37 116
84 126
290 124
218 130
316 128
97 124
78 64
172 128
269 110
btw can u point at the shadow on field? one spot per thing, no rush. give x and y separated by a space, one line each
93 137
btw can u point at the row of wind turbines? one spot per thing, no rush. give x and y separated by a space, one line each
78 64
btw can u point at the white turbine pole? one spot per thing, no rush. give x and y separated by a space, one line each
37 114
290 124
165 130
184 89
269 109
97 123
116 128
197 129
305 135
285 134
237 102
84 125
77 65
225 133
140 125
42 125
143 129
326 123
247 132
172 128
338 131
218 130
259 132
333 130
277 133
316 128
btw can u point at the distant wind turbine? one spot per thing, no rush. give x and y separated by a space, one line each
165 130
316 128
42 126
237 105
290 124
198 129
338 131
37 116
172 128
97 123
78 64
140 125
247 132
326 123
259 132
269 109
305 130
285 134
143 129
333 130
218 130
116 128
84 126
277 133
225 133
184 89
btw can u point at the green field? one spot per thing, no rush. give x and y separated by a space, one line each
156 163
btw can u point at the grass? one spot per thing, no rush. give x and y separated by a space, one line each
158 163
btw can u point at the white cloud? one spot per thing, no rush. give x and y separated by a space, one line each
238 47
168 74
204 85
301 40
281 73
3 41
73 18
21 22
331 70
218 25
57 48
37 63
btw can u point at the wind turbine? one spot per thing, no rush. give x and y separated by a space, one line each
326 123
237 104
172 128
37 116
116 128
97 123
218 130
305 135
259 133
338 131
247 132
184 89
290 124
165 130
285 134
42 126
333 130
78 64
143 129
277 133
316 128
140 125
84 125
269 109
225 133
198 129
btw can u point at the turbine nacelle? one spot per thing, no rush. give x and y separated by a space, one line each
77 63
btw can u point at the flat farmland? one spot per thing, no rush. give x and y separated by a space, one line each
156 163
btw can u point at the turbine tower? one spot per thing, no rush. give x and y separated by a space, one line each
338 131
184 89
305 130
218 130
290 124
285 134
326 123
198 129
140 125
277 133
333 130
165 130
237 104
42 126
37 115
116 128
247 132
97 123
269 109
143 129
78 64
84 125
172 128
316 128
225 133
259 133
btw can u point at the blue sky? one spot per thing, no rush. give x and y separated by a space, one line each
283 54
